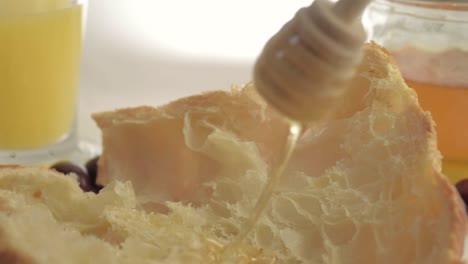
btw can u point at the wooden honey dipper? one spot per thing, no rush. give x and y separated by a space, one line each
302 72
304 68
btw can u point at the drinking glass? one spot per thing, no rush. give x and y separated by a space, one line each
429 42
40 50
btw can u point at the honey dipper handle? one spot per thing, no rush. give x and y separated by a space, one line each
350 10
306 68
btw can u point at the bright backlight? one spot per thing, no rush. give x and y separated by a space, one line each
215 29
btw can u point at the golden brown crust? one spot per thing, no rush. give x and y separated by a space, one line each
9 166
458 217
14 257
8 253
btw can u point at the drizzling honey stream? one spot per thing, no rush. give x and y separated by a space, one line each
295 131
303 72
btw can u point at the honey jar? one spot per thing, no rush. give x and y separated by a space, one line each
429 42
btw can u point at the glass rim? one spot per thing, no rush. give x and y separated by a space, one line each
71 4
446 5
455 11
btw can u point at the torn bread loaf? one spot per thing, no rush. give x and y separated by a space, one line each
181 179
364 187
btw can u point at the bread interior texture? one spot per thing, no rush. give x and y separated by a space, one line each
181 179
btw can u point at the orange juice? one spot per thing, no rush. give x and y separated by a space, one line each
441 82
39 67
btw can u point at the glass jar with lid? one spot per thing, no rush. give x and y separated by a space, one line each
429 42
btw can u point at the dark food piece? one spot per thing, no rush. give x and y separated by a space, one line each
66 167
462 187
91 168
96 188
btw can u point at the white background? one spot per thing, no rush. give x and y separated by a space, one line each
149 52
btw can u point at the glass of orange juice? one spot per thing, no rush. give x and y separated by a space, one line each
429 42
40 48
